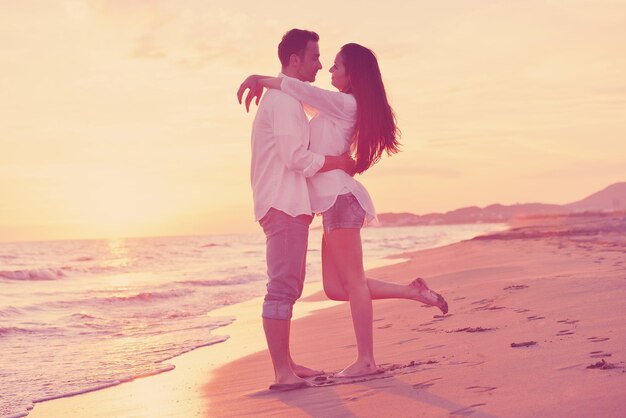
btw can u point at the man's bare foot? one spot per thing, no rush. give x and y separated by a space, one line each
359 368
289 379
424 294
302 371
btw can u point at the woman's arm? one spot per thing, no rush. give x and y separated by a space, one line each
255 89
333 103
270 82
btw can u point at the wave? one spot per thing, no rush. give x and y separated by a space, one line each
104 302
249 278
10 311
157 370
147 296
49 330
33 274
215 340
14 330
90 269
83 259
81 316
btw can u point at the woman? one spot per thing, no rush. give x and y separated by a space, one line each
356 118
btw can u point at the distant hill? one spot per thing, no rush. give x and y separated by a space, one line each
610 199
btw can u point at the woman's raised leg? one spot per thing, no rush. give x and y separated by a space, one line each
416 290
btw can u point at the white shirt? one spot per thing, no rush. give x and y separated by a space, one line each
331 132
281 160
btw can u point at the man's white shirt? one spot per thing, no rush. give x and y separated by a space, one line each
281 159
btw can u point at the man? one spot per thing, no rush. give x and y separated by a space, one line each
281 162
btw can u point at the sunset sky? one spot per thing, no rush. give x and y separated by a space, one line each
119 118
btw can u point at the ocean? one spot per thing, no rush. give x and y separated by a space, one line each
80 315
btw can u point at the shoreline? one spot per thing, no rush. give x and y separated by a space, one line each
244 337
477 277
235 311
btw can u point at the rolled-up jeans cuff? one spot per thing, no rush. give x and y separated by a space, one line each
274 309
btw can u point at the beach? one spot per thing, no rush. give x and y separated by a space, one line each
535 328
139 158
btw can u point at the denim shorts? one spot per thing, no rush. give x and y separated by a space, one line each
345 213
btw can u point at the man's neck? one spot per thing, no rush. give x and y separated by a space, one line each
290 72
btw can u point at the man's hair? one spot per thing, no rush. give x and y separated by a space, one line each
294 42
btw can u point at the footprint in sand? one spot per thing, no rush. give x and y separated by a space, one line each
483 302
535 318
516 287
524 344
424 329
460 298
426 384
597 339
568 321
472 329
407 341
604 365
481 388
564 332
521 310
466 363
411 364
384 326
467 411
489 308
433 347
486 305
330 380
599 354
386 371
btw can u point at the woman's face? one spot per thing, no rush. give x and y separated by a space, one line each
339 78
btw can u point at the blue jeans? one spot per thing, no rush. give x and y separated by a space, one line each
287 238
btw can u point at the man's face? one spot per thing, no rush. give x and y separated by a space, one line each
310 65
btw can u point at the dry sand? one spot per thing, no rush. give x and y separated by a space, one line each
558 284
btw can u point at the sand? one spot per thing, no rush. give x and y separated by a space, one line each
536 329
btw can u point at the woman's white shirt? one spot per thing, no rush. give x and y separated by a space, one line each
330 130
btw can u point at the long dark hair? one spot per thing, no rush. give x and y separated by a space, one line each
376 129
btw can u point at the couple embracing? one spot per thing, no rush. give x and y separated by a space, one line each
300 168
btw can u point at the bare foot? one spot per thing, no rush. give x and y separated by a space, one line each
428 296
290 379
302 371
359 368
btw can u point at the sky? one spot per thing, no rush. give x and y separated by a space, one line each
120 118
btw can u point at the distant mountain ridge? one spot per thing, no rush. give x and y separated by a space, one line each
612 198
